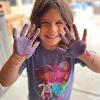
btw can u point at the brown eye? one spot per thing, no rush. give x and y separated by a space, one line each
44 23
60 23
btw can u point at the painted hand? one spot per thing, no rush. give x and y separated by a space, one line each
24 44
76 47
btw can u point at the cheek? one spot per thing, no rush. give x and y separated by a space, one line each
61 29
42 33
43 30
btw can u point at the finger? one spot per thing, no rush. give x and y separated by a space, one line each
30 31
35 45
76 32
84 35
32 27
64 39
34 37
24 29
68 34
14 33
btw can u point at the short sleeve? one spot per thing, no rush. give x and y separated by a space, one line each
23 66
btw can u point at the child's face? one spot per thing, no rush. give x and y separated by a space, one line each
51 25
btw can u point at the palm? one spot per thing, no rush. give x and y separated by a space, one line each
24 44
76 47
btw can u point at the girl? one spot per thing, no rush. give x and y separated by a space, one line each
49 49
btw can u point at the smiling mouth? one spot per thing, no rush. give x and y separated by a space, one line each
52 36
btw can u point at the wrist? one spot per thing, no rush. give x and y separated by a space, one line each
86 53
87 56
18 57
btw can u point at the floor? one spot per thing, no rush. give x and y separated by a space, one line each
86 84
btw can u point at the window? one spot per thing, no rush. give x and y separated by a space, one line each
26 1
12 2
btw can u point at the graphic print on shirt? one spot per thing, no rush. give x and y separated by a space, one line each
53 79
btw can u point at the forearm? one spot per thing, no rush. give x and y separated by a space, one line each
92 61
9 72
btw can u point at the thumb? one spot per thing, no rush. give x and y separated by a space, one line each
36 44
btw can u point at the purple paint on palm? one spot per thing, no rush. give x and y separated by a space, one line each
24 45
76 47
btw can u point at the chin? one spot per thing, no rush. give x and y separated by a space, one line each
53 44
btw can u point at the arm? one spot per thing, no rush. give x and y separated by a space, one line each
23 49
77 49
9 72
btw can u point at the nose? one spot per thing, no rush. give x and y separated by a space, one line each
53 29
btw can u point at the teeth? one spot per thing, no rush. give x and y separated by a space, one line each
51 36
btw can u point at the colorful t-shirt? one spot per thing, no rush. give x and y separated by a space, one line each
50 75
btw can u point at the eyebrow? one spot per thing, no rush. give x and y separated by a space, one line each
56 20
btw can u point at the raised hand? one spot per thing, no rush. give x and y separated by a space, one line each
24 44
76 46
